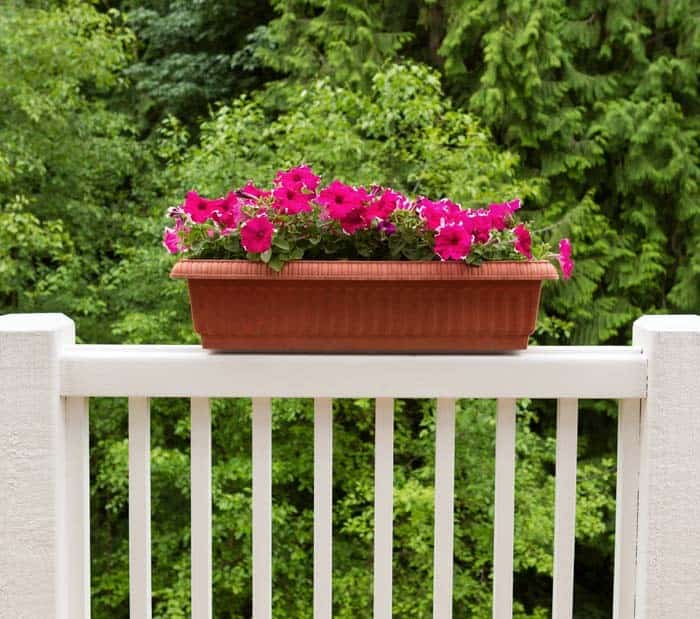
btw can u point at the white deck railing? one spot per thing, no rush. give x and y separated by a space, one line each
46 380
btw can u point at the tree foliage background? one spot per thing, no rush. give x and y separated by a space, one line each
111 110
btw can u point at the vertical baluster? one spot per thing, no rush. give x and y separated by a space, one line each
444 508
383 506
200 482
628 426
78 506
323 508
262 508
504 508
139 509
565 509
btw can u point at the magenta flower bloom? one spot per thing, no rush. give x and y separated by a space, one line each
310 215
480 224
501 212
432 213
565 261
385 204
339 198
523 241
453 242
230 214
386 227
347 205
171 241
291 200
354 219
198 208
296 178
218 205
256 234
252 191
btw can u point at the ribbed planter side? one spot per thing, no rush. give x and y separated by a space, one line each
364 306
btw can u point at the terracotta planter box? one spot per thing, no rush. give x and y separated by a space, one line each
364 306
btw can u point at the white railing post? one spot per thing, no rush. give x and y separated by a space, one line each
668 536
33 528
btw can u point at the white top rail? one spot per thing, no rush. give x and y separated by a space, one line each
190 371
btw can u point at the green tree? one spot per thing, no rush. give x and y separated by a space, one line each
191 55
65 157
601 101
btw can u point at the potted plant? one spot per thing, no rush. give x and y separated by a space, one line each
308 268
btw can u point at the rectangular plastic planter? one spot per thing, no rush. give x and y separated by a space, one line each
364 306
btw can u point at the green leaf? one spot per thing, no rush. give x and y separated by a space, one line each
276 263
281 243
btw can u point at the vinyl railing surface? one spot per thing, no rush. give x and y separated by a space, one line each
46 381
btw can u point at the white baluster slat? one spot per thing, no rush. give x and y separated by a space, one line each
78 506
565 509
323 508
628 435
383 506
262 508
200 482
139 508
504 508
444 508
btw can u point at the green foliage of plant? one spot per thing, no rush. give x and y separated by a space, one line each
29 251
345 39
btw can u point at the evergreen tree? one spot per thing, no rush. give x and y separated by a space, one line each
191 54
601 101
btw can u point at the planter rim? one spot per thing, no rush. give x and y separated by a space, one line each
396 270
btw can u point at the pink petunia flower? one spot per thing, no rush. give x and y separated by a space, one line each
230 215
291 200
385 202
453 209
256 234
432 213
453 242
249 190
498 213
565 261
514 205
199 208
501 212
296 178
171 241
523 241
480 225
340 199
386 227
354 219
